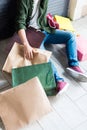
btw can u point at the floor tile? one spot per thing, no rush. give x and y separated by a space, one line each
75 92
3 82
82 126
69 111
82 103
53 122
33 126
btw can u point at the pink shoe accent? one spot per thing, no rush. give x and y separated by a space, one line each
52 22
61 86
77 68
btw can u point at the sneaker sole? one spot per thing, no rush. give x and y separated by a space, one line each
64 89
79 76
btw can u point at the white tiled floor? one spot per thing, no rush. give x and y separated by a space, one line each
69 109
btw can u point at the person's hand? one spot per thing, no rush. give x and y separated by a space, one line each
28 51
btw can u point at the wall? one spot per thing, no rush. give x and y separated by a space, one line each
59 7
77 9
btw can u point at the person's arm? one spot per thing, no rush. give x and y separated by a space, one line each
20 25
28 50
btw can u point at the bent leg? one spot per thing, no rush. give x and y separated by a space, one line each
68 38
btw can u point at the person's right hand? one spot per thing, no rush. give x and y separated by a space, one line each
28 51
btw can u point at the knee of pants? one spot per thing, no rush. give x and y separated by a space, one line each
71 35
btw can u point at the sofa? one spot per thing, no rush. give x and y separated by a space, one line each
7 17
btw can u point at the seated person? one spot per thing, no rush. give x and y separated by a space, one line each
33 13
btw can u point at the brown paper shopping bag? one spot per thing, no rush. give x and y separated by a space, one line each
23 104
16 58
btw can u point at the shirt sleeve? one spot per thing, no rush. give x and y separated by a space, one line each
21 15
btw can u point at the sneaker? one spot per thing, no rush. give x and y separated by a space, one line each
62 86
77 73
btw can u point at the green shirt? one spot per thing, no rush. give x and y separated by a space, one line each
24 12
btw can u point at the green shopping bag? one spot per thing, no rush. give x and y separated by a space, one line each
43 71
